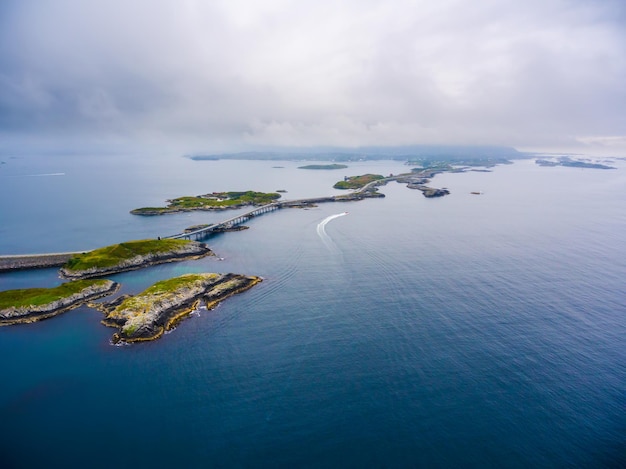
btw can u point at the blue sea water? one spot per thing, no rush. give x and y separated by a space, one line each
466 331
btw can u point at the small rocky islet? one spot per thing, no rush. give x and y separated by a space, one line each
148 315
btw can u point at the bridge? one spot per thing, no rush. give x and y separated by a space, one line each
207 230
220 227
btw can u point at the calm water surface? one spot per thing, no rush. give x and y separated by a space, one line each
465 331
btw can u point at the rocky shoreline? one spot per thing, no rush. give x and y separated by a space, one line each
429 192
193 250
419 182
148 212
29 314
150 314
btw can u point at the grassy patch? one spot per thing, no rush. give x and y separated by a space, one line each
214 200
110 256
43 296
356 182
145 299
173 284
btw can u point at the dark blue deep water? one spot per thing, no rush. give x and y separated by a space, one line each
466 331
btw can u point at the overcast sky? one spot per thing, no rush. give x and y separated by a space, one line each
203 75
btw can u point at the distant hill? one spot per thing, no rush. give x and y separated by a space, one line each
402 153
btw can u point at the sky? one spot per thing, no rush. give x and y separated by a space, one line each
233 75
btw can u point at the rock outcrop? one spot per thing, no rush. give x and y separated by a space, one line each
149 314
419 182
28 314
430 191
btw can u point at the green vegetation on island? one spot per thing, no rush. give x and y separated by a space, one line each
323 166
213 201
357 182
159 308
33 304
132 255
42 296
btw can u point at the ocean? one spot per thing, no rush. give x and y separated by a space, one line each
464 331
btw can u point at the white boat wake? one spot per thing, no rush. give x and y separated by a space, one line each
321 230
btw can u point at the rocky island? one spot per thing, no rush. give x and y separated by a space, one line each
419 178
132 255
33 304
429 192
159 308
357 182
213 201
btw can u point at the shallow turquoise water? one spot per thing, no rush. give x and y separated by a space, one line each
462 331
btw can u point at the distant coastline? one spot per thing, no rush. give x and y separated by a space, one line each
324 166
372 153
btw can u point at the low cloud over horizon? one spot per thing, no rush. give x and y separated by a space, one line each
231 75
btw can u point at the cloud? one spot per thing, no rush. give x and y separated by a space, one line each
222 74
